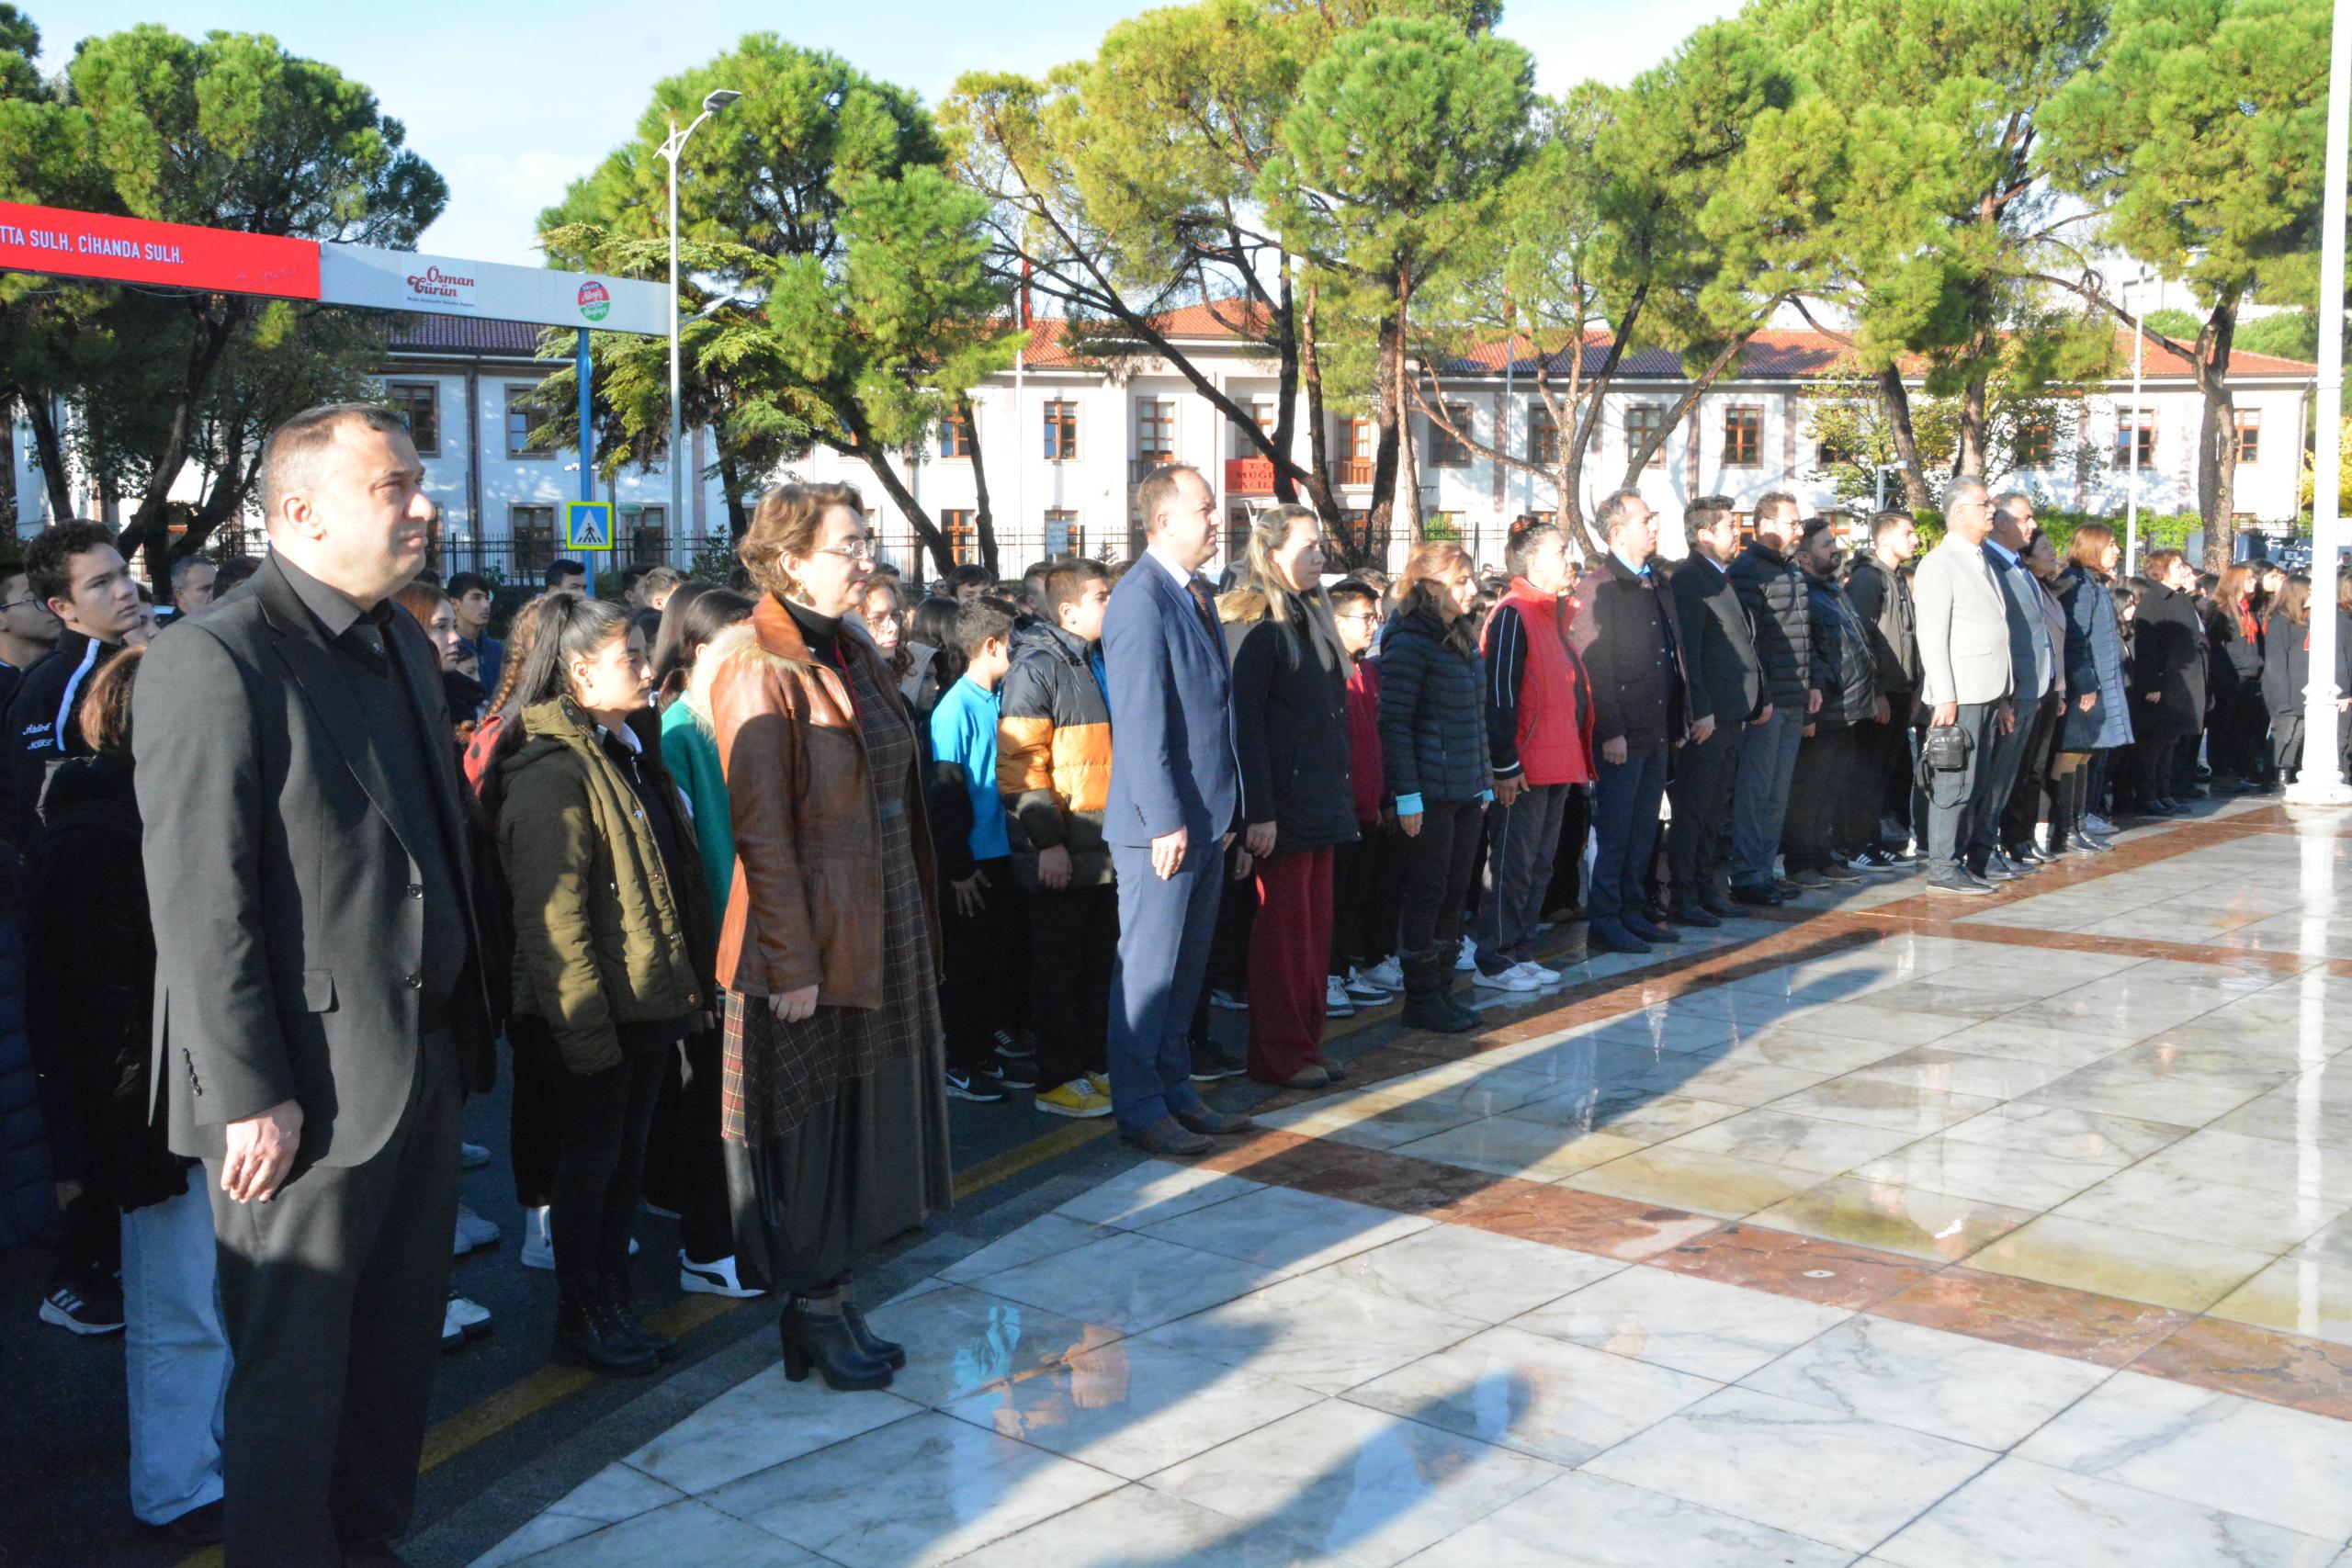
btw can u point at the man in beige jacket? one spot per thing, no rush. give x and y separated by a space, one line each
1965 680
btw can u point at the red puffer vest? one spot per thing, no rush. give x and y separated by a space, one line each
1555 697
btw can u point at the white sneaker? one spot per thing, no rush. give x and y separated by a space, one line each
1540 975
474 1230
463 1319
538 1243
713 1278
1337 1003
1515 978
1386 975
1466 959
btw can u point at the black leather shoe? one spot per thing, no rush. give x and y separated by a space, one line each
1614 939
889 1352
1644 928
824 1342
1785 888
204 1526
588 1333
1689 914
2025 855
1217 1124
1436 1013
1757 895
1168 1136
664 1349
2000 867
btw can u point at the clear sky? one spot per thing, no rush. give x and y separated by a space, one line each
512 99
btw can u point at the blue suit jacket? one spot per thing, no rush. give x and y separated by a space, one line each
1172 758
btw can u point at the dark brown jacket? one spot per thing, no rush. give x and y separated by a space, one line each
807 906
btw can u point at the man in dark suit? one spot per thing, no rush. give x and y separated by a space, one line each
1727 686
320 1008
1175 802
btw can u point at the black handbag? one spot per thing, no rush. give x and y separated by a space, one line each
1945 751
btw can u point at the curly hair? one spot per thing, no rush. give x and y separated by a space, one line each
788 521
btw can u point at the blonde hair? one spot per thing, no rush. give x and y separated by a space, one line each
1265 596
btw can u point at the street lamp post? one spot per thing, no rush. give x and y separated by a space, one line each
2138 354
672 146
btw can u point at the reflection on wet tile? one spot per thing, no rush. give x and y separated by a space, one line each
1287 1231
2058 1132
762 1422
2120 1089
1583 1520
2063 1048
1804 1268
1985 1171
1863 1022
2195 1208
1641 1116
1693 1179
1727 1083
1907 1219
1472 1273
959 1339
2295 1295
1138 1528
1154 1190
1823 1473
1509 1146
1131 1407
1937 1067
1128 1282
1316 1332
2112 1260
1975 1391
1866 1102
1693 1326
1363 1486
1800 1143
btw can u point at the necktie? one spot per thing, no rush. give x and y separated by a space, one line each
1201 603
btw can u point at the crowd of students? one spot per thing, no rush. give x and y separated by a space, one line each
764 872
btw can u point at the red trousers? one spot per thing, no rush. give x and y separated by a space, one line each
1289 955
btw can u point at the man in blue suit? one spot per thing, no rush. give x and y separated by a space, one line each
1175 802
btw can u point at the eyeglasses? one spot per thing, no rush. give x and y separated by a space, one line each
856 549
1359 616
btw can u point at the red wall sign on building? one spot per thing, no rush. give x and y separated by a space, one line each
173 256
1249 476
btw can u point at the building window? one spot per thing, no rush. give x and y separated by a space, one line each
644 534
1063 535
526 414
1061 431
955 436
2249 421
1543 438
1642 421
1262 410
2035 445
956 523
1155 433
1355 452
530 532
1743 436
2135 430
1447 448
419 405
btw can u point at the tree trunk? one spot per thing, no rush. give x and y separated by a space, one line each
50 448
1387 402
1286 349
862 447
1971 463
1897 399
1319 435
1408 467
2217 448
738 520
983 515
149 530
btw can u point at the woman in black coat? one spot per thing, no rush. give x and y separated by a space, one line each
1290 726
2240 717
1434 748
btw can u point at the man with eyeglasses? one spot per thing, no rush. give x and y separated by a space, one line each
28 630
76 573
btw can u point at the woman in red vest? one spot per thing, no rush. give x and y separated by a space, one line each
1539 732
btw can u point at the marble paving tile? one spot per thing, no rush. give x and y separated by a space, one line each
2061 1132
1784 1045
2105 1331
760 1422
1472 1273
960 1339
1696 1181
1508 1146
1800 1143
1643 1117
1154 1190
2064 1048
1949 1385
1316 1332
2200 1210
2119 1089
1539 1395
1131 1407
1472 1085
2114 1260
1362 1486
1371 1118
2284 1467
1727 1083
1669 1030
1937 1067
1129 1283
2023 1514
1287 1231
613 1493
2295 1295
1911 1221
1808 1269
1044 1237
2263 1165
1866 1102
1821 1474
2282 1117
1985 1171
1138 1527
1693 1326
2260 1363
1583 1520
1979 998
681 1532
2132 1014
1586 1222
915 1493
1861 1021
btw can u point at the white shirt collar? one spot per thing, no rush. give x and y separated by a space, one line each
2006 553
1181 573
624 735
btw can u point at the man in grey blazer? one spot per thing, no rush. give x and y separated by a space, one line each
1965 680
320 1006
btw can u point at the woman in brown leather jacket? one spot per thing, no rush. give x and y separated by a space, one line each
835 1109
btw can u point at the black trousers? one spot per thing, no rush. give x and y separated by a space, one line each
1882 756
2029 794
981 950
1568 862
602 1121
1829 777
705 1218
1704 775
1367 890
1439 861
531 1124
332 1295
1073 943
1237 916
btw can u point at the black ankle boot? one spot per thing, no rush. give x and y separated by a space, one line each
890 1353
823 1340
1427 1005
664 1349
588 1333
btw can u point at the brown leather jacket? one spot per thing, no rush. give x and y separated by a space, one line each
807 905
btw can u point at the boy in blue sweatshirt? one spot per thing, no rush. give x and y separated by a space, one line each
981 916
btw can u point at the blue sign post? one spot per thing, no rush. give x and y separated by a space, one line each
587 431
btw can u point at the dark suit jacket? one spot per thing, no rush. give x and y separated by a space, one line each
1626 634
288 920
1726 681
1172 758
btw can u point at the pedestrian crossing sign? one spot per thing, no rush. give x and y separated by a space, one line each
587 525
